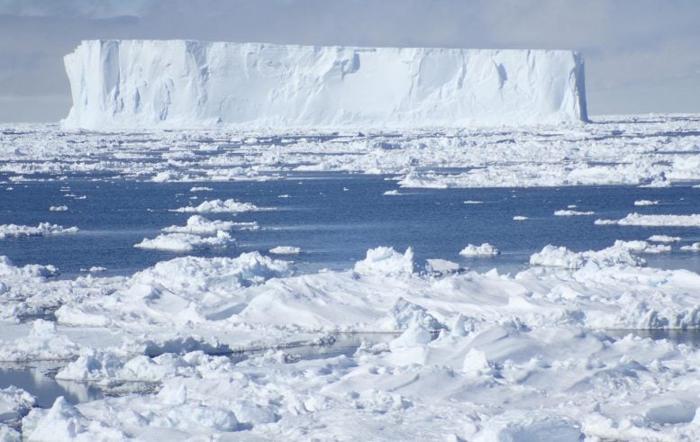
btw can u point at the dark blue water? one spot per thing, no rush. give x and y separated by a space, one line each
334 219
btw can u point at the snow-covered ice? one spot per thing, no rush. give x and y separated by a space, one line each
636 219
492 355
185 84
641 203
440 158
197 233
185 242
484 249
664 238
439 352
199 225
219 206
694 247
569 212
41 229
285 250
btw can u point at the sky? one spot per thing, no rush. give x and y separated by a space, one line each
641 55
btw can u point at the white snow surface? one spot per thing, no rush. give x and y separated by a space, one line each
488 356
484 249
493 357
636 219
624 150
285 250
569 212
185 242
185 84
694 247
41 229
219 206
664 238
199 225
197 233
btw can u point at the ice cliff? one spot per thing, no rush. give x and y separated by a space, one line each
189 84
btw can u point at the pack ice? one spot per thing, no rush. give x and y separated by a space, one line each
189 84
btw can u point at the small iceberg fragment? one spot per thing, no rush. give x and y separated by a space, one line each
285 250
219 206
484 250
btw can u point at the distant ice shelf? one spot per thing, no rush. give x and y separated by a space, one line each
118 84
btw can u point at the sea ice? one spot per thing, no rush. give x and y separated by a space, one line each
567 212
695 247
42 229
185 242
199 225
285 250
485 249
469 347
646 202
478 157
219 206
636 219
386 261
664 238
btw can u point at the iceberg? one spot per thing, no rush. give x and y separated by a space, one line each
117 84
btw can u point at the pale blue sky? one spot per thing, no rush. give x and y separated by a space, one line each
641 55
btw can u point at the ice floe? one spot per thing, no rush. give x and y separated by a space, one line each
496 157
695 247
664 238
186 242
569 212
636 219
219 206
285 250
42 229
199 225
493 355
484 249
641 203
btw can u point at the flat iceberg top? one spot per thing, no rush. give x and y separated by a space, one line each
190 84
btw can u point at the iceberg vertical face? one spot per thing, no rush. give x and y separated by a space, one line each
189 84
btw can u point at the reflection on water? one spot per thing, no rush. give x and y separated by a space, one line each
677 336
35 381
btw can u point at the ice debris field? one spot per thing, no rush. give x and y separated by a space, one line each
464 284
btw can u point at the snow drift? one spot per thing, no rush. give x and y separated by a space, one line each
190 84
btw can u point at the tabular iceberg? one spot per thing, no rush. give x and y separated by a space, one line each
189 84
